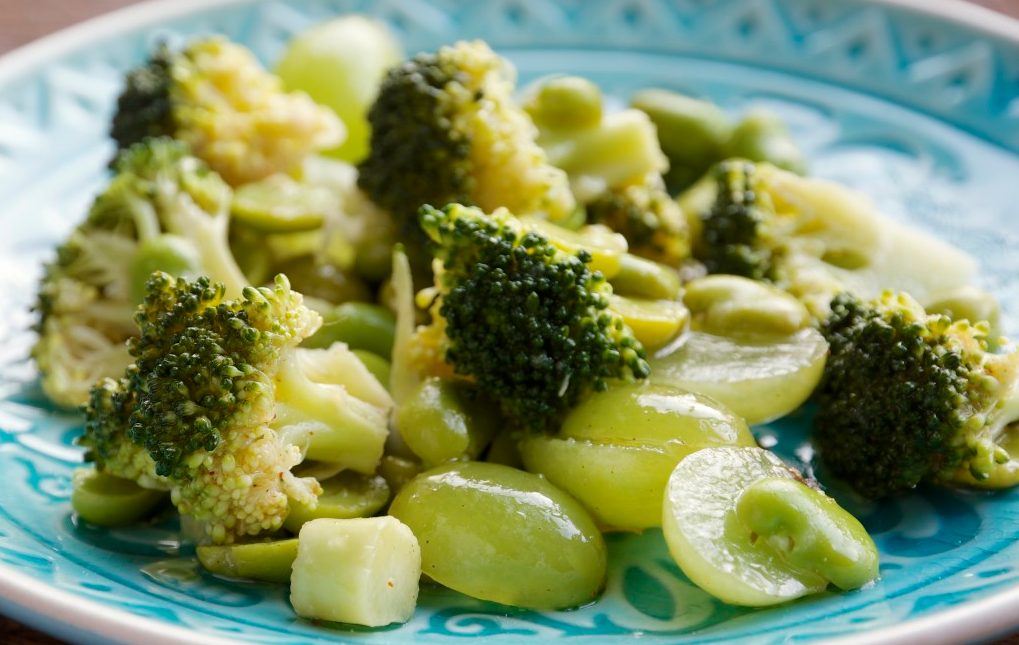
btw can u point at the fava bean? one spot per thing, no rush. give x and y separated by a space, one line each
105 500
440 423
564 102
729 305
358 324
344 496
642 278
262 561
762 136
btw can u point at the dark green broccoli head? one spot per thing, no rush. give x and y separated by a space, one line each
734 233
530 324
445 128
144 107
647 216
908 397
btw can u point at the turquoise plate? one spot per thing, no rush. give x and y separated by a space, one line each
917 107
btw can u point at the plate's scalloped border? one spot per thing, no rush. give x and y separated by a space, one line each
67 615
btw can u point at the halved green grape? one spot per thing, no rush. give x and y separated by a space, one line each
713 546
760 379
281 204
105 500
344 496
620 484
809 530
360 325
340 64
439 422
644 278
262 561
363 571
617 449
500 534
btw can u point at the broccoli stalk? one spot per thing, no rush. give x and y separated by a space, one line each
224 404
163 210
812 238
445 128
215 96
908 397
533 326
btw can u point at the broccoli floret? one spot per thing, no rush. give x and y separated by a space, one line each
647 216
530 324
812 238
909 397
215 96
445 128
162 210
224 403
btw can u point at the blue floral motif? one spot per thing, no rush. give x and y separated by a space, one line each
919 113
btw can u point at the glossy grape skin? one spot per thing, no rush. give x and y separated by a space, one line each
501 534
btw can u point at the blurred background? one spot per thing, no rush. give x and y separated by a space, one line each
24 20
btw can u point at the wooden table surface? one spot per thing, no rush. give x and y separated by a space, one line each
22 21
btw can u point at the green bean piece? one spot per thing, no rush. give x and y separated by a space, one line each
809 530
439 422
501 534
762 136
262 561
378 366
105 500
729 305
643 278
358 324
692 132
564 102
170 253
346 495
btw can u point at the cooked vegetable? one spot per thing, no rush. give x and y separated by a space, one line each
235 116
344 496
616 450
443 420
263 561
221 404
909 397
163 210
812 238
782 541
500 534
534 327
445 128
362 571
105 500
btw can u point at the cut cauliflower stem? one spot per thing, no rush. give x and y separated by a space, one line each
362 571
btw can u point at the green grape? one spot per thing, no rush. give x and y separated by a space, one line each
360 325
263 561
105 500
760 379
344 496
500 534
340 64
617 449
782 542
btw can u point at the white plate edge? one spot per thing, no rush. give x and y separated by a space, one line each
984 618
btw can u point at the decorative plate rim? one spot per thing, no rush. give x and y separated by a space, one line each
64 613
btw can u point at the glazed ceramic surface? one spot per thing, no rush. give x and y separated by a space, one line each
918 110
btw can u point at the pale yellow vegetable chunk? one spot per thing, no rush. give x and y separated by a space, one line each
362 571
